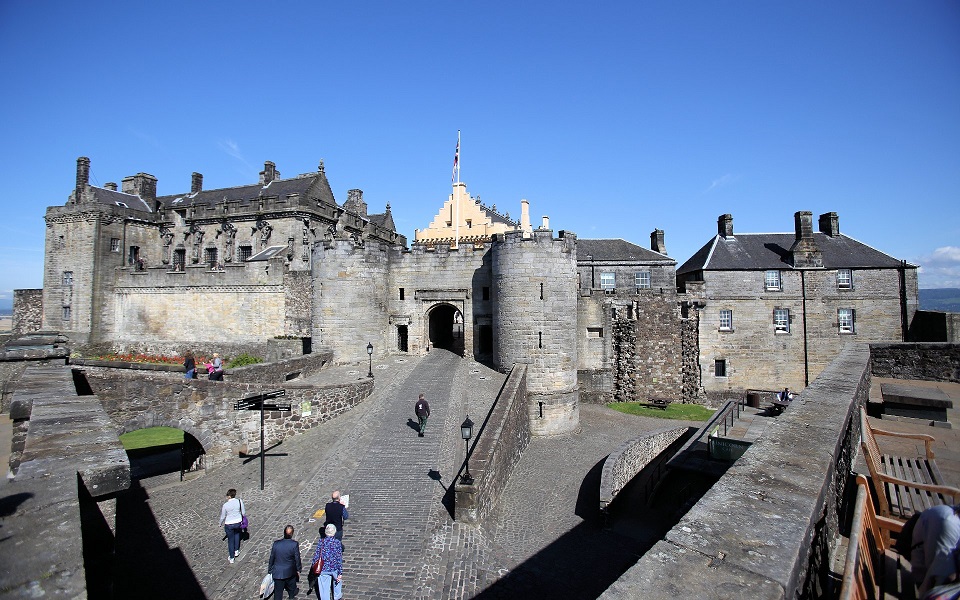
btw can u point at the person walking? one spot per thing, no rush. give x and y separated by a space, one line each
217 373
335 512
284 565
231 518
422 409
331 576
189 366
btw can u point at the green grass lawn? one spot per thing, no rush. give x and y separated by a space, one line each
152 436
675 410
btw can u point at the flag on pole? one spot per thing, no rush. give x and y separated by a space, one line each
455 176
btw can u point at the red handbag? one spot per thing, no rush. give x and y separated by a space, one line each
318 564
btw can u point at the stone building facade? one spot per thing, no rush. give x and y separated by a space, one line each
775 309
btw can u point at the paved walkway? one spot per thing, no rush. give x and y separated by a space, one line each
400 541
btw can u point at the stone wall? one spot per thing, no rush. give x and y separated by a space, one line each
759 357
930 362
205 409
27 311
497 447
624 463
691 388
14 362
934 326
765 529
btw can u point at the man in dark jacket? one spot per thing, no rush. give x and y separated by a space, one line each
335 512
422 409
285 565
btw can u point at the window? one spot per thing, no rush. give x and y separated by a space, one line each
68 278
469 224
244 253
726 320
844 279
846 320
114 244
720 367
401 293
179 259
608 281
211 257
772 280
486 293
66 313
642 280
781 320
134 255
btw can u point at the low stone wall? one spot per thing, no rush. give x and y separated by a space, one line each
925 361
765 529
633 456
14 362
27 311
69 466
137 399
499 442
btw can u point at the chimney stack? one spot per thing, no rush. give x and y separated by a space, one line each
83 176
830 224
656 241
525 225
546 222
269 173
805 252
196 182
725 225
110 186
141 184
355 203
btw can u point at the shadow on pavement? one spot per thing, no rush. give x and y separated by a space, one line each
145 566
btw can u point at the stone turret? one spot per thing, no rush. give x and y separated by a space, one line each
535 285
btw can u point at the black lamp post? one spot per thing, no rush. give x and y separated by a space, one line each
466 432
370 356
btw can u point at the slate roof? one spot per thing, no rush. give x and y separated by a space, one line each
278 187
105 196
761 251
618 250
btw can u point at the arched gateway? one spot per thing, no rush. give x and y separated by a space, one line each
445 328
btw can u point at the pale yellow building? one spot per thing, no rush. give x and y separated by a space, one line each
464 219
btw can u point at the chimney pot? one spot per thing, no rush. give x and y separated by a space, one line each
110 186
546 222
725 225
196 182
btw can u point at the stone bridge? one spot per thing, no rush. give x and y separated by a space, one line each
137 399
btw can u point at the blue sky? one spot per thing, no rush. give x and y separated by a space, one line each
613 118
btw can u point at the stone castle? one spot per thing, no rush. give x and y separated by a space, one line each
593 319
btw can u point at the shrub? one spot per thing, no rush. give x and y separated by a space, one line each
243 360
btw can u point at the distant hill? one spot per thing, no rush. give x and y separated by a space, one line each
943 299
6 306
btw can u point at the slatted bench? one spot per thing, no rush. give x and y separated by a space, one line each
904 485
660 403
873 568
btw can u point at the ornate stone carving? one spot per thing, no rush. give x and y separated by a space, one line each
265 229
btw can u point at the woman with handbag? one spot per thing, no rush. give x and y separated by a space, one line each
232 516
328 565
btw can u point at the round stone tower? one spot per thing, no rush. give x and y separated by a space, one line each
535 322
349 298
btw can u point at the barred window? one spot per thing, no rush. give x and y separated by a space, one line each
781 320
642 280
846 320
844 279
244 253
66 314
720 367
772 280
68 278
114 244
726 320
608 281
211 257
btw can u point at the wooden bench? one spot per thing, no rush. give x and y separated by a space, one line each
904 485
660 403
873 569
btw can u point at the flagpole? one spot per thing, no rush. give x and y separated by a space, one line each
456 193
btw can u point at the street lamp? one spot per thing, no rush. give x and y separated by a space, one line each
370 356
466 432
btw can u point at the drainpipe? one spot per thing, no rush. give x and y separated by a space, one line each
803 300
904 324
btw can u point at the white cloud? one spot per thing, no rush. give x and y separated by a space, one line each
232 148
940 269
725 180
